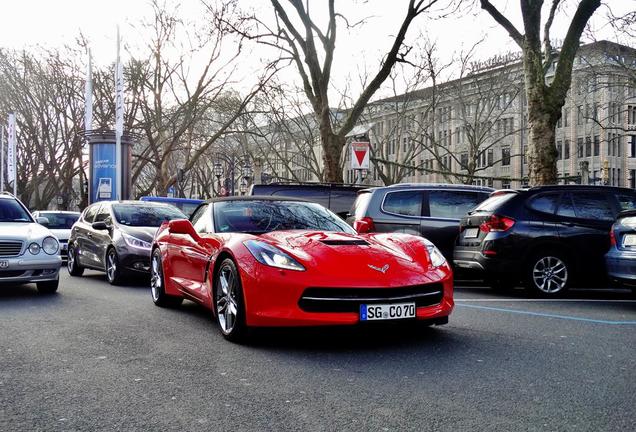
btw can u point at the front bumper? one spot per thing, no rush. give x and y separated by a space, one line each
134 261
621 265
274 299
24 270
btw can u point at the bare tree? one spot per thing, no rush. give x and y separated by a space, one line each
311 49
545 99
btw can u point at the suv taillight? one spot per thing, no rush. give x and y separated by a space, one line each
496 223
364 225
612 237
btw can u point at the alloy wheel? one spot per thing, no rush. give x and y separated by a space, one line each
550 274
70 260
226 305
155 278
111 266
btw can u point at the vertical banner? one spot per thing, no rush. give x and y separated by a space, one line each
11 149
103 180
119 118
88 96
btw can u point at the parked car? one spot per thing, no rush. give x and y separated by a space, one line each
432 211
186 205
116 236
547 237
621 258
258 261
28 250
336 197
60 224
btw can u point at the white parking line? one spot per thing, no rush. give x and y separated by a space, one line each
509 300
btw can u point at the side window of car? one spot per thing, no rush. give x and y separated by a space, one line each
89 215
407 203
103 213
592 205
200 223
626 201
545 203
566 208
451 204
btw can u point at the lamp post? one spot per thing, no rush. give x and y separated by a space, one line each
218 172
242 165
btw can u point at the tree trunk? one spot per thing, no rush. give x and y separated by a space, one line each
332 145
542 152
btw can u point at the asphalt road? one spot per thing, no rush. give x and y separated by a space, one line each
97 357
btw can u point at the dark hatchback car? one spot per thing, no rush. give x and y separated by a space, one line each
336 197
429 210
547 237
116 237
621 258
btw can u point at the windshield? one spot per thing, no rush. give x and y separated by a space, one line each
60 220
12 211
266 216
146 216
492 203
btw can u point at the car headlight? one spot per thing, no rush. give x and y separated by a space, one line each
50 245
272 256
34 248
135 242
434 255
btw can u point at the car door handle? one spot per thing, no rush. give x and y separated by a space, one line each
570 224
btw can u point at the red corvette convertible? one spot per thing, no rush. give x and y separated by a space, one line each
258 261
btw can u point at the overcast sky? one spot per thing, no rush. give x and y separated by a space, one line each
52 23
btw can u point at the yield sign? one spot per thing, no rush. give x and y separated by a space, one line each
360 155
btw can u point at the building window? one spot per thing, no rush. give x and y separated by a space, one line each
505 156
464 160
597 145
566 150
566 117
579 146
579 115
588 146
631 115
560 122
632 179
559 146
491 155
505 184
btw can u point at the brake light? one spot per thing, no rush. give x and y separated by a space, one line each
496 223
364 225
612 237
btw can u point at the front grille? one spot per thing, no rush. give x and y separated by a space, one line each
10 273
10 248
350 299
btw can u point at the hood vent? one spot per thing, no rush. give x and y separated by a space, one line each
345 242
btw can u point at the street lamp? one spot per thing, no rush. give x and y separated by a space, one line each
217 169
243 186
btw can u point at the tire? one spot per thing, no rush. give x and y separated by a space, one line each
228 302
548 274
48 287
113 272
157 284
72 264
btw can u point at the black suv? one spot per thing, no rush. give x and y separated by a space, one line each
546 236
335 196
429 210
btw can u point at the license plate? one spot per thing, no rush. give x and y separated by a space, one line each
4 264
374 312
629 240
471 232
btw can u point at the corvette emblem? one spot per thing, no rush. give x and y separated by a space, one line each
382 269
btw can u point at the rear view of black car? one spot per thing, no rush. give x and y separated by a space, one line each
546 237
621 258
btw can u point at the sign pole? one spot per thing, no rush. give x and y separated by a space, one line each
11 149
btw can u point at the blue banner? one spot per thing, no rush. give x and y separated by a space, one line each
103 181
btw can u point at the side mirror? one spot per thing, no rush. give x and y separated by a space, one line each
101 226
42 220
182 226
